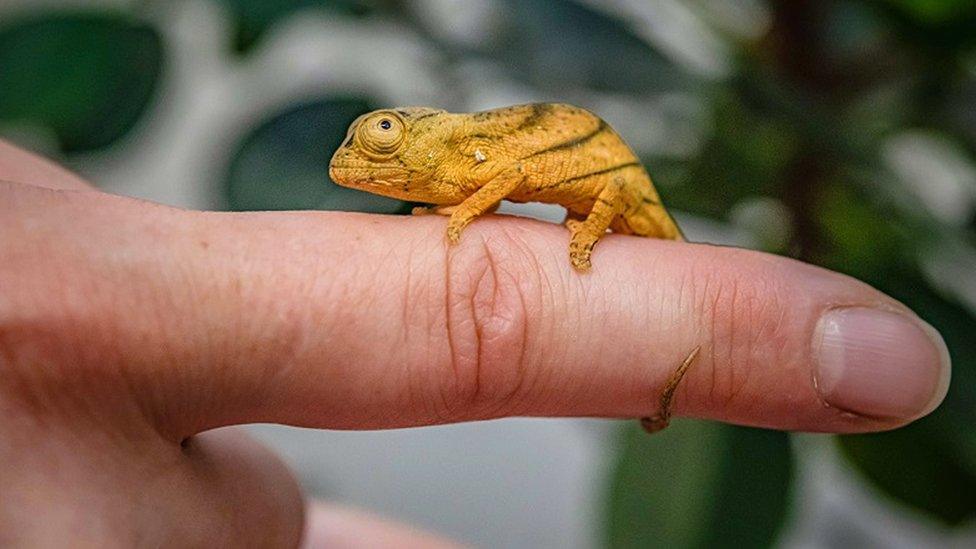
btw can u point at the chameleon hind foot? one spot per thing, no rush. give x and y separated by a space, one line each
580 245
660 421
580 251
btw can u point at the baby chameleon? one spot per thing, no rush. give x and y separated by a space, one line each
466 164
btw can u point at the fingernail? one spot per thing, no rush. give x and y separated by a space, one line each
879 363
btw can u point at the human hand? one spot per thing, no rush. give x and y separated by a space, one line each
129 330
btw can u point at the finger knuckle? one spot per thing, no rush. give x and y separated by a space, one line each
486 321
743 312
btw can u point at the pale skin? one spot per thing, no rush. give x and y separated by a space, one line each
129 331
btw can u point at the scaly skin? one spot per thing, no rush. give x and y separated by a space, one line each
466 164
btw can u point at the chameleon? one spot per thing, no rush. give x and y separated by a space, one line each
465 164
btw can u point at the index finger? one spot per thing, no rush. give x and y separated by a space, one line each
361 321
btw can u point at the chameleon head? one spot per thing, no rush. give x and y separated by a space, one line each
376 155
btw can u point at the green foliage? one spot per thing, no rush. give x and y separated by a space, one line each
919 466
860 240
938 30
935 11
744 157
700 484
86 77
253 17
284 163
536 47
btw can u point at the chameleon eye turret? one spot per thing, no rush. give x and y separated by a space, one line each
381 133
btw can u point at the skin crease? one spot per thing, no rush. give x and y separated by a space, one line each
541 152
130 332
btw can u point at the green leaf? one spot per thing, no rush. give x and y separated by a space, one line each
700 484
861 240
934 11
938 30
917 466
744 157
254 17
86 77
930 465
565 45
283 164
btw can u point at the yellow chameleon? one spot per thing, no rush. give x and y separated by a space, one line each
466 164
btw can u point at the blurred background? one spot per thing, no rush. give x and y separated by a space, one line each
842 133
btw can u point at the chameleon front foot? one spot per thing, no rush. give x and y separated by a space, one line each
662 419
454 233
580 246
461 217
580 259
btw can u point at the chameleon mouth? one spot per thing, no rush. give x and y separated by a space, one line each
368 175
365 166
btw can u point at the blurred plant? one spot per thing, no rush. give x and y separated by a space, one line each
811 140
86 78
253 17
293 150
700 484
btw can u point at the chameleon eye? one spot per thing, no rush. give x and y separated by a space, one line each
382 135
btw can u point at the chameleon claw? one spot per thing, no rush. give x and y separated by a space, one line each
460 219
453 234
580 261
420 210
580 249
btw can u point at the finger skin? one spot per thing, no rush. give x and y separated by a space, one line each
356 321
20 166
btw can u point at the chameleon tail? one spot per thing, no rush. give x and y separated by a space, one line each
657 422
650 218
